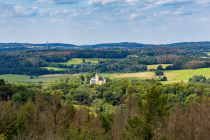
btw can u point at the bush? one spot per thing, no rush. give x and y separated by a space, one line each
160 67
164 78
198 79
159 73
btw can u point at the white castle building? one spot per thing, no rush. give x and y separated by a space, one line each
97 80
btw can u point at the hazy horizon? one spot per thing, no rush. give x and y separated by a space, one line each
104 43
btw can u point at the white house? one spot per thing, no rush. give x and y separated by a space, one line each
97 80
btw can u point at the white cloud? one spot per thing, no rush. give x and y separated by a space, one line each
203 1
22 11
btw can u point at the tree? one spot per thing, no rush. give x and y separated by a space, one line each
198 79
2 82
83 60
3 137
192 99
189 122
159 67
82 79
8 119
153 111
159 73
163 78
25 119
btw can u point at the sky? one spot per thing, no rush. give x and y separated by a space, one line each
104 21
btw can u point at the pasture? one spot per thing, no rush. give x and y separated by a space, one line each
76 61
40 79
54 68
154 67
173 76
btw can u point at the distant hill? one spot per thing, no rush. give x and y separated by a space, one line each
188 44
139 45
25 46
119 45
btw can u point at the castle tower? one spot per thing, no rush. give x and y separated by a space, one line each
97 79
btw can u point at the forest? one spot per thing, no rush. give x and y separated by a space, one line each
118 110
128 58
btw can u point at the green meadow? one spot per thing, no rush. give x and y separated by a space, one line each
54 68
40 79
173 76
76 61
184 75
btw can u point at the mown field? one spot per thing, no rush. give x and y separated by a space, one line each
54 68
173 76
43 79
76 61
154 67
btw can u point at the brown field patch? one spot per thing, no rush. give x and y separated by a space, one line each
134 75
170 75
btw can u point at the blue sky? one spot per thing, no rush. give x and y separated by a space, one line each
102 21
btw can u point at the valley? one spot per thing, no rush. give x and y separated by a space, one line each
174 76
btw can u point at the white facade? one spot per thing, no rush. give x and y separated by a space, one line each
97 80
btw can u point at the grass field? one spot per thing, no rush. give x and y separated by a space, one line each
44 78
54 68
173 76
154 67
75 61
184 75
208 53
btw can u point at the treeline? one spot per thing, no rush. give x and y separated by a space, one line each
64 56
117 110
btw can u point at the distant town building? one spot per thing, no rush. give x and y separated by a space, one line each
97 80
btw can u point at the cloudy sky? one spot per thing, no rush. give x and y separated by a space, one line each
101 21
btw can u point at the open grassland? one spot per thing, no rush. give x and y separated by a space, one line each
15 78
54 68
154 67
43 79
184 75
75 61
173 76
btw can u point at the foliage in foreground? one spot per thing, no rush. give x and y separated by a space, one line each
118 110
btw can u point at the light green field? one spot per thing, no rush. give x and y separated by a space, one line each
184 75
173 76
54 68
154 67
208 53
44 78
15 78
76 61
